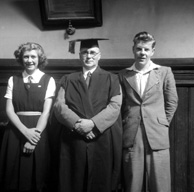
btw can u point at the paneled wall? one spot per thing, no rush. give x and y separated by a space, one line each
182 127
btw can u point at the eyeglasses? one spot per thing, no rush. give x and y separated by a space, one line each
91 53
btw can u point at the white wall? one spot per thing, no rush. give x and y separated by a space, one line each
170 21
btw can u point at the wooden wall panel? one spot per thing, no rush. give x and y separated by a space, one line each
179 148
182 127
191 141
2 103
172 152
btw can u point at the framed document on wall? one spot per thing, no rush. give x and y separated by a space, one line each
80 13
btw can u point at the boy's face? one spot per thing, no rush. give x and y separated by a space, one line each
143 52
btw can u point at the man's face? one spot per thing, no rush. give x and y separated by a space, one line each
90 57
143 52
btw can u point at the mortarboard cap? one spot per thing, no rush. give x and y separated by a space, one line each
84 43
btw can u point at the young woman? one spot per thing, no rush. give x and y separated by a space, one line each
24 155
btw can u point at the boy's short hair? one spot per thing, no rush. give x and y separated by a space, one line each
144 37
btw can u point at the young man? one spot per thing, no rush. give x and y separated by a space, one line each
150 101
91 138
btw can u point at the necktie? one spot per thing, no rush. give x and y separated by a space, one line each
29 79
88 78
29 82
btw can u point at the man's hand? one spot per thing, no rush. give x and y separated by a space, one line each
84 126
90 135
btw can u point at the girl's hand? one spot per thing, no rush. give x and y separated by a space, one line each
28 148
33 135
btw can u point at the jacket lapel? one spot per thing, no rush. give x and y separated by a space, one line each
94 79
131 79
152 80
85 96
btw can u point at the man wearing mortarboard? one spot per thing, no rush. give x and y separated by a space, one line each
88 108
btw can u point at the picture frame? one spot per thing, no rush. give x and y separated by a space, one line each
59 14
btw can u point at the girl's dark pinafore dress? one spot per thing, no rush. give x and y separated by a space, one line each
20 171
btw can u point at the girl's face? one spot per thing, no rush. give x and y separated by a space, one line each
30 61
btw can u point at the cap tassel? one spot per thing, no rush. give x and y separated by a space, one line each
72 47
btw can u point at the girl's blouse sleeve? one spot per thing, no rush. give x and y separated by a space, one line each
51 89
9 91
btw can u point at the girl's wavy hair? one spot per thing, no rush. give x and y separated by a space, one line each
145 37
42 60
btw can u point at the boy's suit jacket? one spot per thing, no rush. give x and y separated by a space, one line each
155 109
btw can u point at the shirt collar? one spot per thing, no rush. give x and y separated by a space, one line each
85 72
151 67
35 76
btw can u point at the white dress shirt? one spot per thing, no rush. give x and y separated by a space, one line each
142 76
85 72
